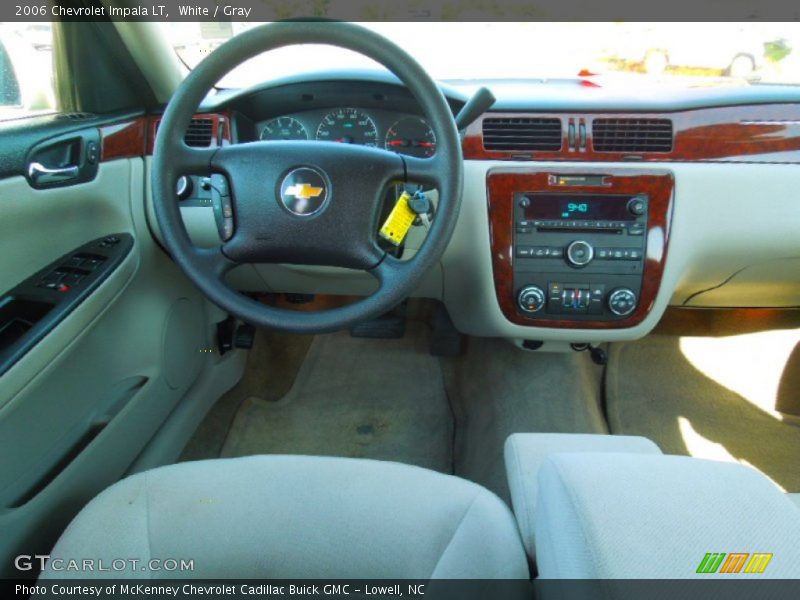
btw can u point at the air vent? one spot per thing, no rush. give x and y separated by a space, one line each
199 133
632 135
522 134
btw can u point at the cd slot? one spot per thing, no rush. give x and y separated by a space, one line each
552 229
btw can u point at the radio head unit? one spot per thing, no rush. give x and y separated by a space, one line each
579 256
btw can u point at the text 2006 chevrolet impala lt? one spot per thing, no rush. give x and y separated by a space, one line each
316 300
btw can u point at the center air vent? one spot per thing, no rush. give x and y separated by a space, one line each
632 135
199 133
522 134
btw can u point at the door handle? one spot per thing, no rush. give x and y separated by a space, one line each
39 174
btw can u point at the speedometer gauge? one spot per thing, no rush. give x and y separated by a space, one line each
348 126
284 128
412 136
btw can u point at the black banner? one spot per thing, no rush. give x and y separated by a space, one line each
714 587
392 10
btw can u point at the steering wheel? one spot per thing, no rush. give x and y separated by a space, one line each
279 212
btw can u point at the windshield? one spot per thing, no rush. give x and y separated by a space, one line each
686 54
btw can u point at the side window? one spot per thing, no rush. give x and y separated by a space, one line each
26 70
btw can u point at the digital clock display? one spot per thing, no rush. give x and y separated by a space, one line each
578 207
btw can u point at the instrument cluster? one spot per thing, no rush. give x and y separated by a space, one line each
398 132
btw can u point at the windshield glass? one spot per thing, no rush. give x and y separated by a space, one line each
686 54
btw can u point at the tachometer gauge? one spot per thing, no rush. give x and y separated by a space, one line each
348 126
412 136
284 128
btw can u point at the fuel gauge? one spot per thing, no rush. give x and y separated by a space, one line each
411 136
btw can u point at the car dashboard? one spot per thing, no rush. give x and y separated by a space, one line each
587 211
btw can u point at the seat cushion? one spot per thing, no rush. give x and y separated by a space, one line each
525 453
618 516
298 517
795 498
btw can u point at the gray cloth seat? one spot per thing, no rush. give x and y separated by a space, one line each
525 453
647 516
613 507
297 517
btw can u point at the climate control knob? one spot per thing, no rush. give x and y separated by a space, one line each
531 299
622 301
579 253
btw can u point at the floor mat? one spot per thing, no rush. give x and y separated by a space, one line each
382 399
730 398
498 390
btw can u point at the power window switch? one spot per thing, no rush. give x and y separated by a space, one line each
72 279
51 281
90 264
74 262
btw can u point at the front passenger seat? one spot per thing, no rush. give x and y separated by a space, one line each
285 517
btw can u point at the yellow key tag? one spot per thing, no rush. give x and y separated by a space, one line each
399 221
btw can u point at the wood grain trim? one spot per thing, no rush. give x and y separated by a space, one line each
137 137
753 133
725 321
123 140
501 185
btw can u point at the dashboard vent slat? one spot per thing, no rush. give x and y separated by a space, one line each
632 135
522 134
198 134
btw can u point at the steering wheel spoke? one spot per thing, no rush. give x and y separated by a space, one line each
422 170
188 160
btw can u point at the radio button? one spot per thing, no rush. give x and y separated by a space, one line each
633 254
602 253
617 253
555 252
524 251
524 230
540 252
636 229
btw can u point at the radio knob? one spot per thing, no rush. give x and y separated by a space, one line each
580 253
531 298
637 206
622 301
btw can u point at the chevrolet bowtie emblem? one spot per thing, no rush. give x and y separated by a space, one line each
303 191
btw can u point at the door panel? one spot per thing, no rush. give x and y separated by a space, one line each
79 407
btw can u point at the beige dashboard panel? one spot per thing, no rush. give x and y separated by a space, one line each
734 243
720 226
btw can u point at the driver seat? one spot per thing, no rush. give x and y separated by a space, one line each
287 517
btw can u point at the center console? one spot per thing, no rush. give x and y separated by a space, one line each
581 249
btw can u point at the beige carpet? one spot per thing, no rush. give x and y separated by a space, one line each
732 398
272 366
356 397
498 390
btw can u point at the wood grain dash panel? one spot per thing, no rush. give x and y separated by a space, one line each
752 133
123 140
503 183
